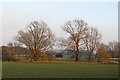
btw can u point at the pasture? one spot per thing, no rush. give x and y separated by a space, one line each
58 70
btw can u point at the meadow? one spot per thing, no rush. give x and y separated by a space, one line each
58 70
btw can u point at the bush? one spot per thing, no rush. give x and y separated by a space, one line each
73 56
6 56
59 55
15 59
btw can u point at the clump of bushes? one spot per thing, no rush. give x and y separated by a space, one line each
6 56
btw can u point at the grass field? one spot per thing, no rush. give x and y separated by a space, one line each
61 70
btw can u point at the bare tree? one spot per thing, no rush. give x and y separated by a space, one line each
113 48
92 38
102 52
37 37
66 43
77 29
113 45
10 49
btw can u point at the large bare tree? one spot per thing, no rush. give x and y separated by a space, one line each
77 29
37 37
92 38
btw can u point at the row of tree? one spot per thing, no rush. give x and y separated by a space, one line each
85 38
38 38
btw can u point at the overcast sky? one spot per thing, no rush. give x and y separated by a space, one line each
103 15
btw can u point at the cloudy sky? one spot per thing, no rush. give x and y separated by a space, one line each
17 15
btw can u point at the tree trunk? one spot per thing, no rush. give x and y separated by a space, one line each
76 57
89 59
77 52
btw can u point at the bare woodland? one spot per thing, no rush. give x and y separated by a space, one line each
39 39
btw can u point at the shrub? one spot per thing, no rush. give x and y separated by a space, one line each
59 55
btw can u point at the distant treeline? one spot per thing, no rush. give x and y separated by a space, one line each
10 53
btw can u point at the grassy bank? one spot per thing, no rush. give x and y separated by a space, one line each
56 70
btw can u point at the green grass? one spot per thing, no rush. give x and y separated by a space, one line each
73 59
55 70
65 59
